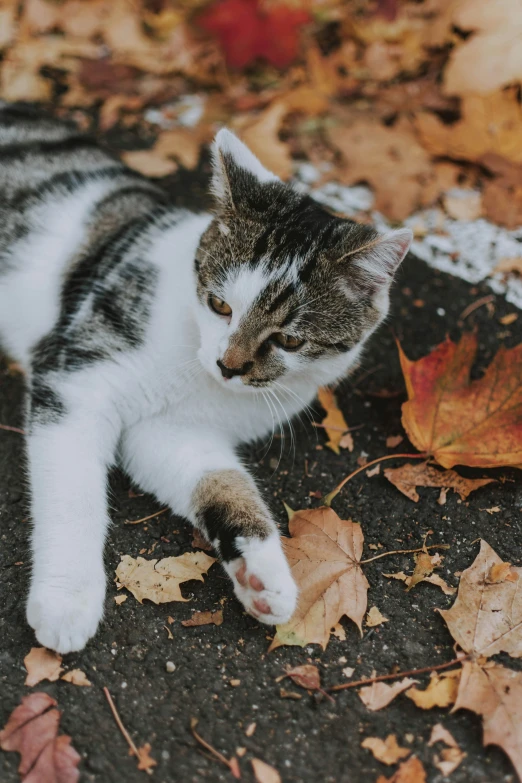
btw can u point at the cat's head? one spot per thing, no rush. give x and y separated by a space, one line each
285 288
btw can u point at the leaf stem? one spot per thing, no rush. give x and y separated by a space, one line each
404 552
327 501
230 764
119 723
411 673
145 519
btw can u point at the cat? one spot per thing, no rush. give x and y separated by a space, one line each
162 339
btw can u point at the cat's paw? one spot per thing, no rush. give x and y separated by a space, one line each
65 617
262 579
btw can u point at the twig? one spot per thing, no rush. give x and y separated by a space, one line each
145 519
411 673
475 305
404 552
12 429
233 767
121 727
328 498
337 429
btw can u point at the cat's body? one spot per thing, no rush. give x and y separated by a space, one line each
105 299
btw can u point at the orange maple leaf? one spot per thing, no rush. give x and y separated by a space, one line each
459 421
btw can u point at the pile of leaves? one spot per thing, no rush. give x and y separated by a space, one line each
418 99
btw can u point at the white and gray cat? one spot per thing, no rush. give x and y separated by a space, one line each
163 339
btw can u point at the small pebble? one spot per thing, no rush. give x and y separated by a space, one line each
170 667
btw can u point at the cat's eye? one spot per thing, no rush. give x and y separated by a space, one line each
287 341
219 306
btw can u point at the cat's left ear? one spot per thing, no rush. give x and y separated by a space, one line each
236 170
376 262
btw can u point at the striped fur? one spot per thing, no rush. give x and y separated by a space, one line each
104 299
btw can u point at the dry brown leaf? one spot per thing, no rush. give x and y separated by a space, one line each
183 144
324 554
489 124
495 693
411 771
409 476
262 136
42 664
120 599
486 617
159 580
205 618
441 691
393 440
492 57
265 773
374 617
374 471
424 566
390 160
463 204
306 676
32 731
432 579
502 572
76 677
334 422
149 162
387 751
379 694
451 756
8 14
145 760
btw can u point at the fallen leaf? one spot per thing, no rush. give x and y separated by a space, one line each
411 771
150 163
374 617
374 471
390 160
284 694
247 31
183 144
334 421
450 757
509 319
76 677
475 135
433 579
441 691
380 694
501 572
205 618
424 566
306 676
324 554
339 632
463 204
393 440
42 664
32 731
348 671
510 265
387 751
262 137
495 693
159 580
145 760
459 421
264 773
490 58
486 617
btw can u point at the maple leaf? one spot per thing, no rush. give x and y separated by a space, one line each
334 422
459 421
441 691
495 693
387 751
32 731
306 676
411 771
407 477
379 694
246 31
486 617
324 554
262 136
159 580
42 664
205 618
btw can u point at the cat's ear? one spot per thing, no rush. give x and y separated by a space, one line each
376 262
236 170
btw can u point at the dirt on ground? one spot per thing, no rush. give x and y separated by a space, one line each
310 738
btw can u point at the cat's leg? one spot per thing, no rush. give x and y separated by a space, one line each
69 449
201 478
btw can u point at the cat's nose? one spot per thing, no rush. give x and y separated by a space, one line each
229 372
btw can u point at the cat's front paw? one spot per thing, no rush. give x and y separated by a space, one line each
262 579
65 616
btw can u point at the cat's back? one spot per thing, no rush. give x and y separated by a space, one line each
62 200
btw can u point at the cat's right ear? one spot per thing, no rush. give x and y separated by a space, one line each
235 170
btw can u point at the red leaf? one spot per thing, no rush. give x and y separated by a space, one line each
247 32
32 731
